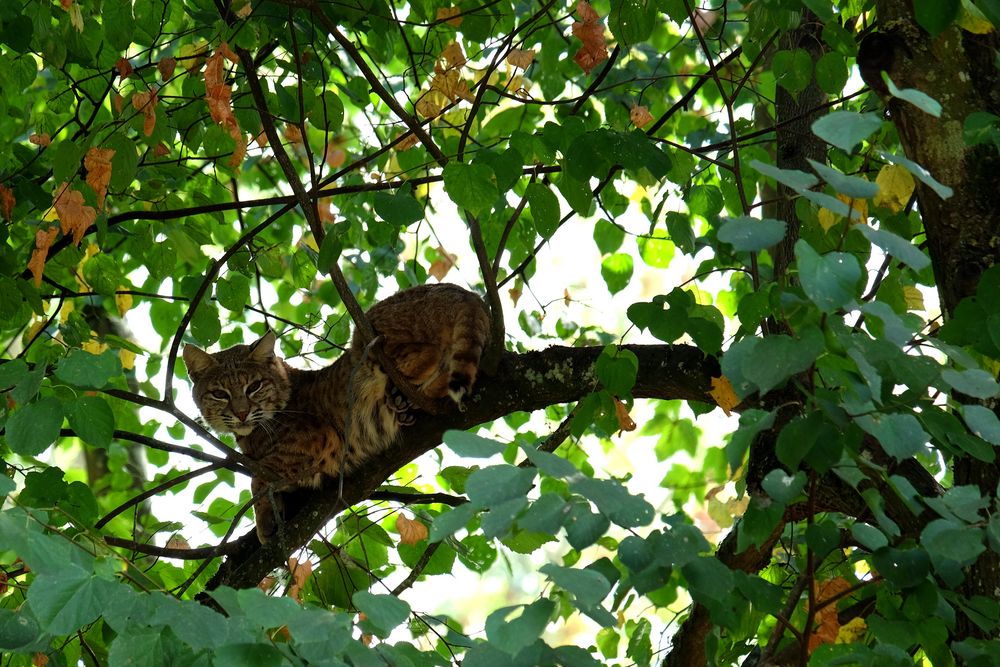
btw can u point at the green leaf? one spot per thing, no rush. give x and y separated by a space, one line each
792 69
748 234
471 445
84 369
206 326
831 280
783 487
35 426
92 420
640 645
899 433
17 629
588 586
793 178
471 186
384 612
656 250
617 271
903 567
233 291
974 382
831 69
852 186
248 655
495 484
614 501
632 21
450 522
66 602
845 129
544 206
399 209
786 357
616 369
945 538
896 246
327 112
935 15
12 372
584 527
917 98
608 236
982 422
511 633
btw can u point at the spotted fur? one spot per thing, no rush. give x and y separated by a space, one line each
295 422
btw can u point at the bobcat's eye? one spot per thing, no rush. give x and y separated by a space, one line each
253 387
219 394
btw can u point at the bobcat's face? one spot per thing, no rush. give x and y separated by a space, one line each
238 389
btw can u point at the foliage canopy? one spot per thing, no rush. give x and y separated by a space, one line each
201 170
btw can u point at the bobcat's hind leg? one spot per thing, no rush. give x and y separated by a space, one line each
401 406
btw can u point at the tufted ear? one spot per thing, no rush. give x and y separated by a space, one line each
197 361
263 350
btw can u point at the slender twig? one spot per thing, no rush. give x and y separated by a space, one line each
152 491
418 569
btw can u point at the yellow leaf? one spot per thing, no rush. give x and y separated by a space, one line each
94 346
970 19
127 357
852 631
913 297
722 392
514 293
827 219
76 17
410 530
123 301
895 186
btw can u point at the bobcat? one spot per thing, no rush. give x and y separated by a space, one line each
303 424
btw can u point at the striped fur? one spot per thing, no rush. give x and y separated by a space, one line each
295 422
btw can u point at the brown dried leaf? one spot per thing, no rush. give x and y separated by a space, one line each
335 156
74 216
590 31
639 115
160 149
449 15
166 67
98 164
175 541
408 142
3 575
145 102
521 58
453 56
411 531
625 421
515 294
722 392
292 133
39 660
42 140
218 96
117 103
243 10
7 202
443 264
124 67
300 573
43 240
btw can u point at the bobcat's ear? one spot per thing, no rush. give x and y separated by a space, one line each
197 360
263 350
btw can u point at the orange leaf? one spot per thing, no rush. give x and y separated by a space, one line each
335 156
145 102
117 103
722 392
625 421
43 240
124 67
293 133
567 299
410 530
42 140
639 116
590 31
166 67
218 94
98 164
244 10
7 202
160 149
827 622
515 294
39 660
177 542
74 216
